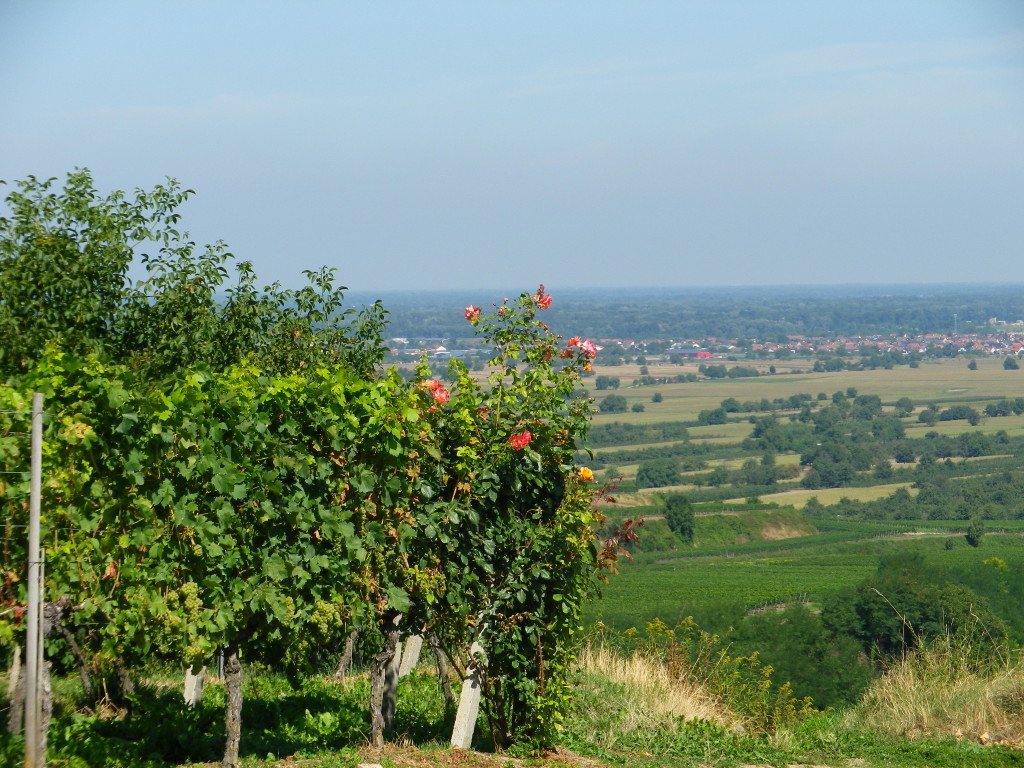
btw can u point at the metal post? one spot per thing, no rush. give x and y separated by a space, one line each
33 642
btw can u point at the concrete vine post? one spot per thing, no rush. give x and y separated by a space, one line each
469 700
35 756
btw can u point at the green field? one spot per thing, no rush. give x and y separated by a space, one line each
672 584
806 570
939 382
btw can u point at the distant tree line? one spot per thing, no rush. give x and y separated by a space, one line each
847 439
767 314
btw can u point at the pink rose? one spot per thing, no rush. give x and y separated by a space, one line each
543 300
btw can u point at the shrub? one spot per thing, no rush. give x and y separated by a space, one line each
612 404
657 473
741 683
679 516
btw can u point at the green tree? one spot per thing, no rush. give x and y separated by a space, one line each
712 416
658 473
904 407
612 404
883 469
1010 363
829 668
718 476
972 365
975 531
64 259
679 516
906 604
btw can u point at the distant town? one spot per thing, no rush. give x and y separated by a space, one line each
1000 338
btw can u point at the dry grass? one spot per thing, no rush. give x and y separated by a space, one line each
938 692
654 698
827 496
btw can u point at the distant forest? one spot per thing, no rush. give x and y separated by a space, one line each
766 314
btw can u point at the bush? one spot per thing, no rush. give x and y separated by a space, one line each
742 683
975 531
714 416
828 668
679 516
612 404
658 473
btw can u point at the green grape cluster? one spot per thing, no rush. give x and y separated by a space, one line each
192 604
327 618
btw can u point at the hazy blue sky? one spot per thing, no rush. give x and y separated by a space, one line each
500 144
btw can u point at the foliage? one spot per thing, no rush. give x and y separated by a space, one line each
55 243
658 473
679 515
617 433
817 663
975 531
612 404
712 416
285 491
905 604
64 259
743 683
518 501
225 509
268 513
